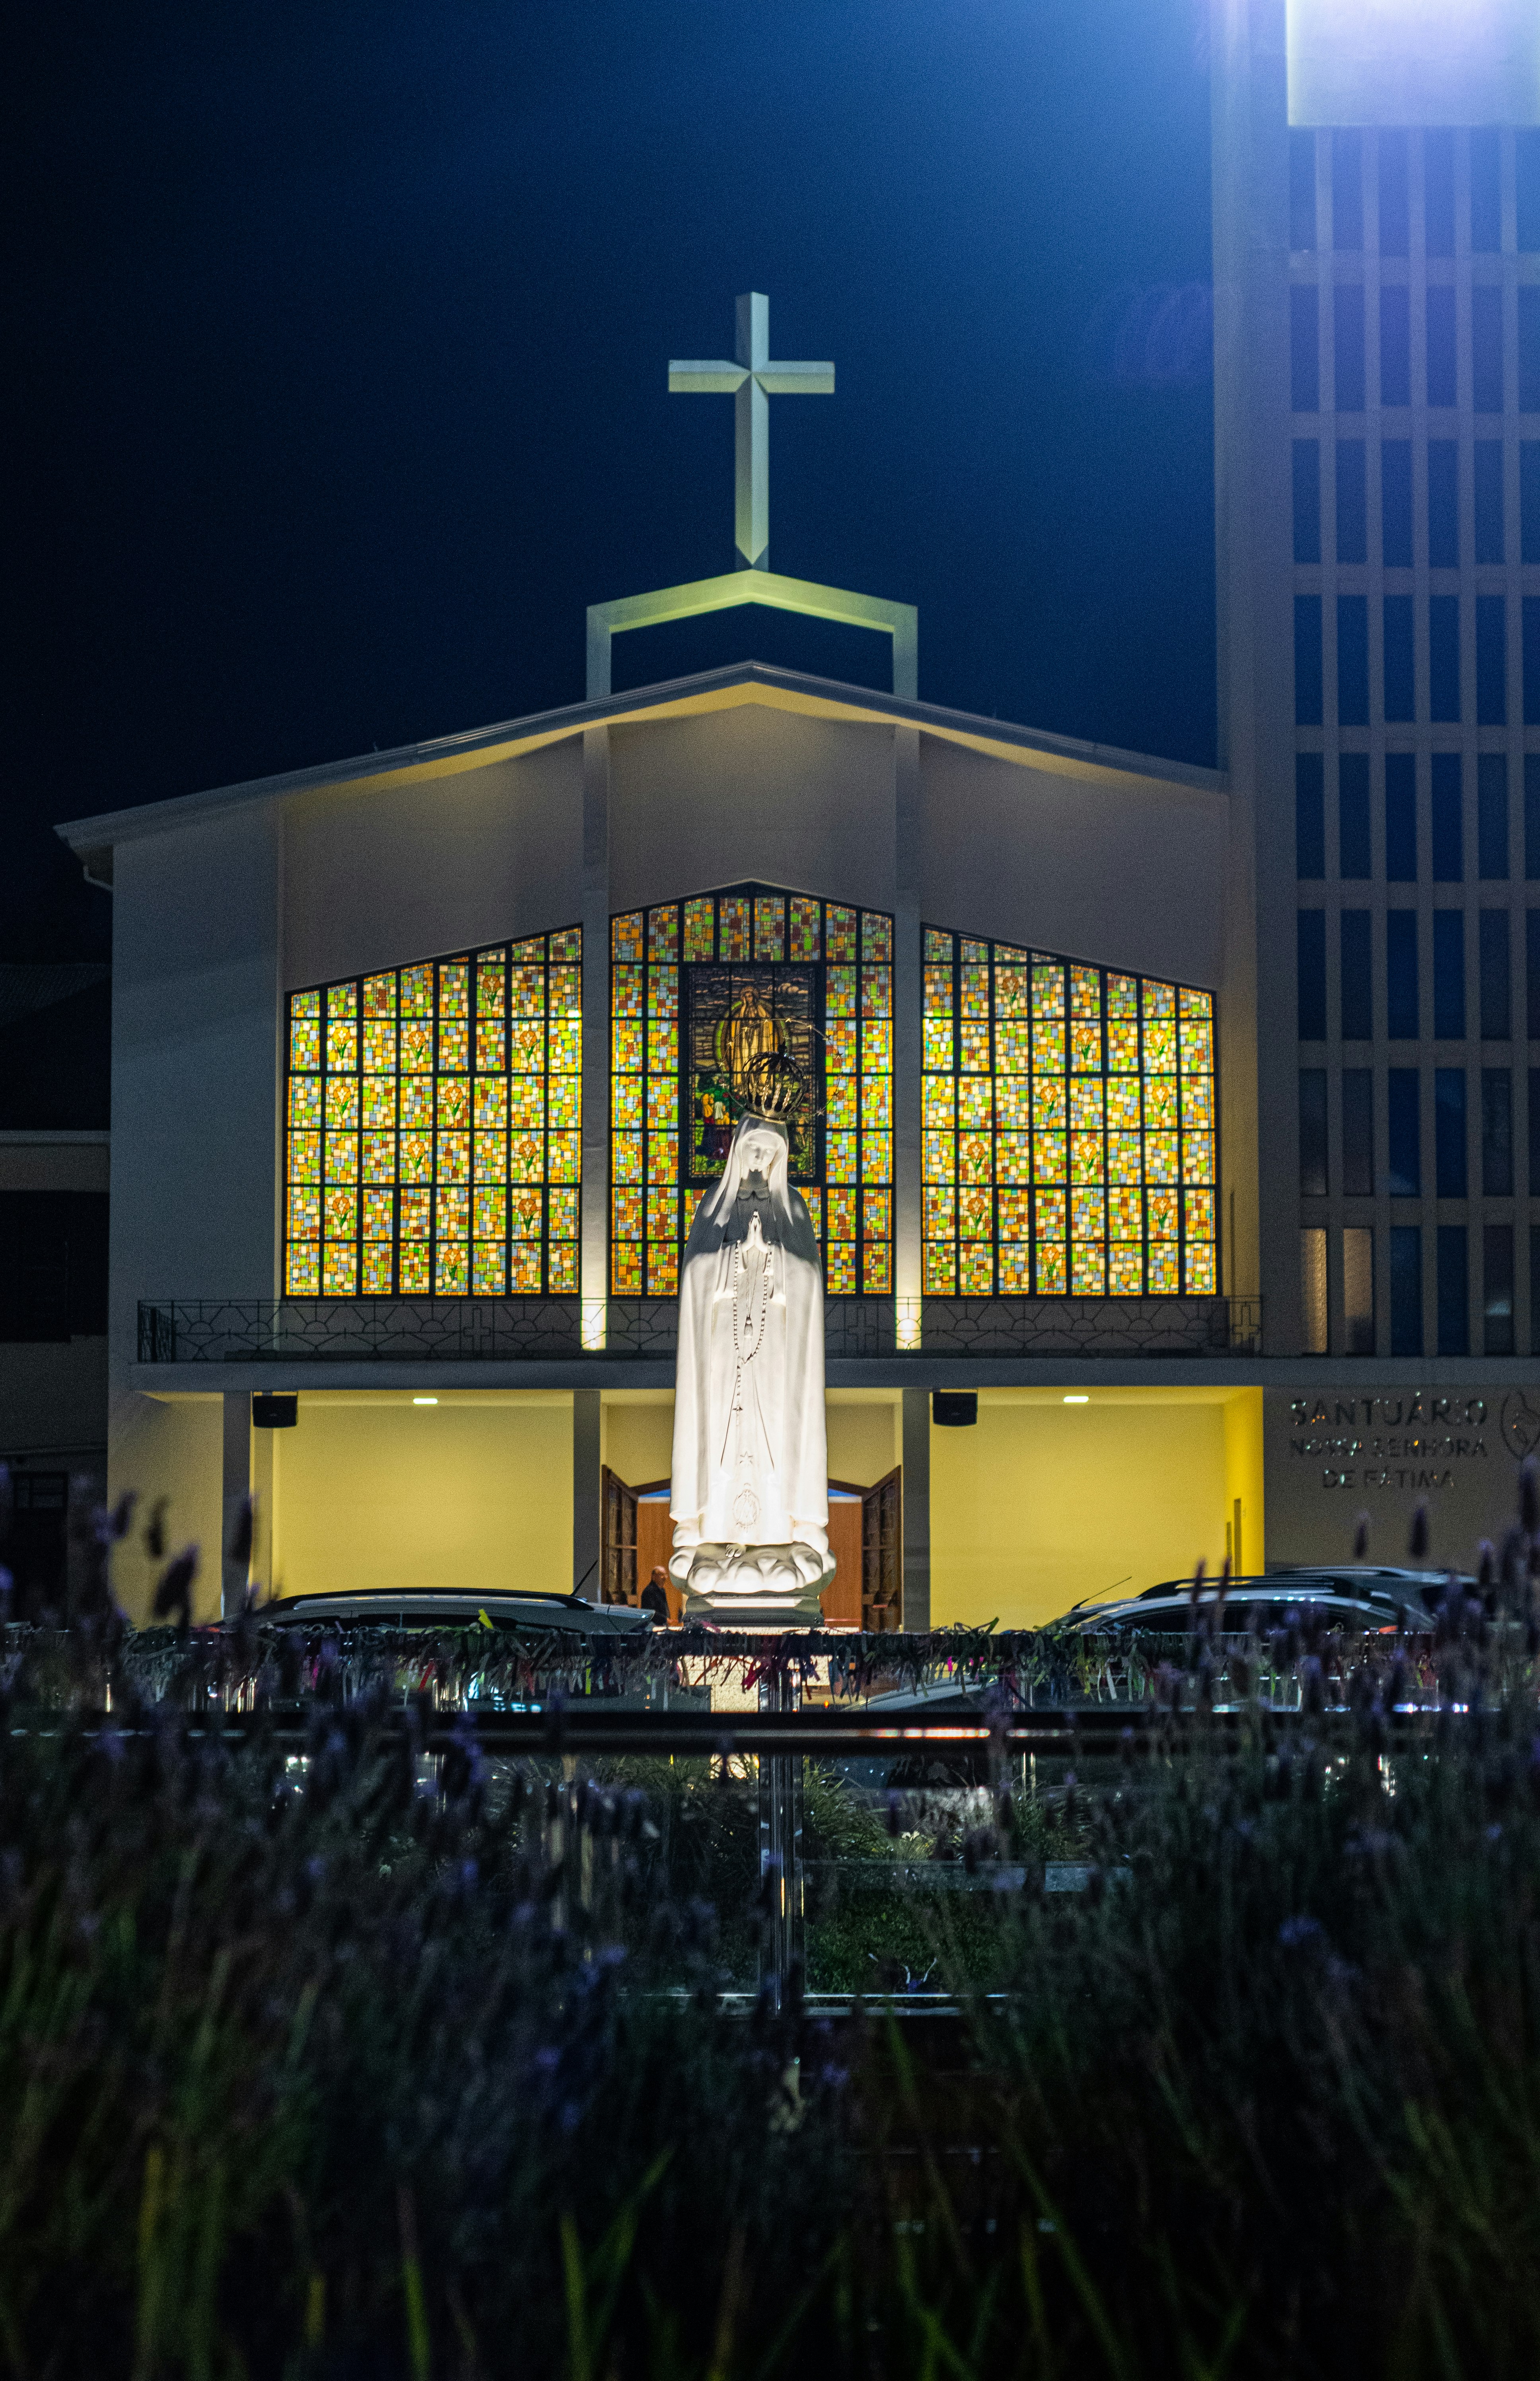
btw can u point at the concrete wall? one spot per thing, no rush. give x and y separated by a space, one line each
865 1434
751 792
374 879
637 1435
170 1449
1345 1446
1041 1505
863 1427
1131 875
195 1149
371 1491
196 1042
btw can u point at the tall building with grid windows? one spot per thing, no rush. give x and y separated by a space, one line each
1376 209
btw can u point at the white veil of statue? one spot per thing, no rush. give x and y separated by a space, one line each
750 1487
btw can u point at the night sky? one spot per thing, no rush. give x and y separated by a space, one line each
340 334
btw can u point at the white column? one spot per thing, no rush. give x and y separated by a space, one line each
908 980
596 1135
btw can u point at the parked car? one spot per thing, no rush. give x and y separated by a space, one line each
1353 1595
461 1608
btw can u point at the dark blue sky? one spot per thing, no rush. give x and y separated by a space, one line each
342 333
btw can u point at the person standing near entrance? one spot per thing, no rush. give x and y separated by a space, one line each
655 1595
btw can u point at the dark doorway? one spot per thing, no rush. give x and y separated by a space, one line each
37 1554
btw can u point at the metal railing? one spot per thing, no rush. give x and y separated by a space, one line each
456 1330
356 1330
1091 1326
602 1730
415 1330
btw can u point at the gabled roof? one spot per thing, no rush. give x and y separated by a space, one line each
743 682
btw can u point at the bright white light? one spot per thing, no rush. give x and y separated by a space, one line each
424 1402
1076 1401
1414 62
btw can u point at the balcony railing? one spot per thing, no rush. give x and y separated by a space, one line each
358 1330
1092 1326
502 1330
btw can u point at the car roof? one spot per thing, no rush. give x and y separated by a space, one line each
1370 1592
506 1607
1307 1581
1175 1611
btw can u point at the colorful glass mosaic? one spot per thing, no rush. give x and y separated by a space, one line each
1069 1143
434 1126
694 985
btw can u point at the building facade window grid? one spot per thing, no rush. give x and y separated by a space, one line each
433 1126
1069 1128
1454 213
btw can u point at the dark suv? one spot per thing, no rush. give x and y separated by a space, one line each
1353 1595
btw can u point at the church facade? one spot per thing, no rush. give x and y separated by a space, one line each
422 1062
421 1066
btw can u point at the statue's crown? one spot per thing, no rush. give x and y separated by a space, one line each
773 1085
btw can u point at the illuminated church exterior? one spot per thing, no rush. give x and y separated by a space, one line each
421 1062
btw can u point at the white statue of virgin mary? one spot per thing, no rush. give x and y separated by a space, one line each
751 1490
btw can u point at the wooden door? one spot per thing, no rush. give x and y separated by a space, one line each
841 1598
654 1541
882 1553
618 1558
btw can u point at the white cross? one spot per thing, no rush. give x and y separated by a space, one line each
752 382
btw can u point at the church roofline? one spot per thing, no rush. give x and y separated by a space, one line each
93 840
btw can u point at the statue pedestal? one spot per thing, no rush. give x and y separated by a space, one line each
753 1587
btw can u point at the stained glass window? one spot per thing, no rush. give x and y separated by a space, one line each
433 1117
1070 1145
697 986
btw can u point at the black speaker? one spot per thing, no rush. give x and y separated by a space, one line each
274 1413
954 1408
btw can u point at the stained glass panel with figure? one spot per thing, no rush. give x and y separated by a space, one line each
697 988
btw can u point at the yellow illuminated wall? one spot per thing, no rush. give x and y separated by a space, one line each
864 1429
474 1491
433 1118
1041 1505
1070 1146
